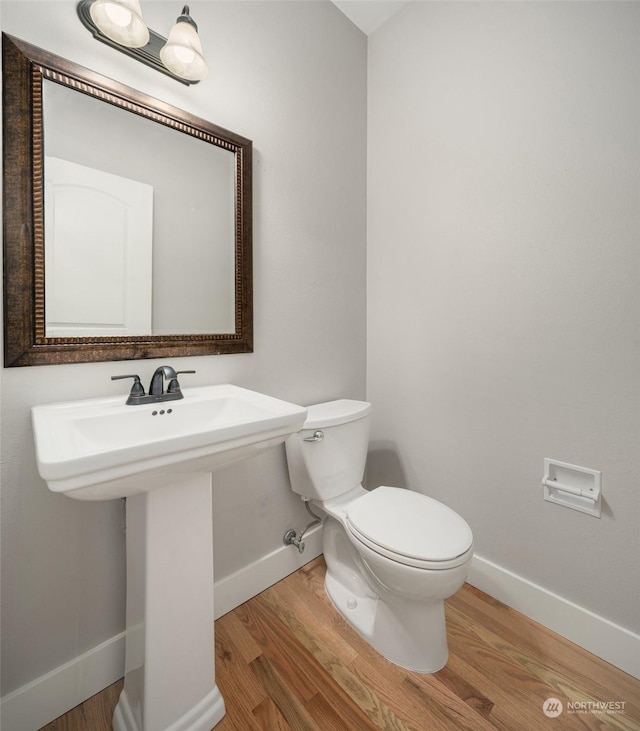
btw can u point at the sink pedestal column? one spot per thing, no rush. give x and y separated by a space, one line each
169 673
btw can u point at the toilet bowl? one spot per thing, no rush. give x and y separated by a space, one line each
393 555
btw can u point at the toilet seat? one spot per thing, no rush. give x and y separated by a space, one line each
410 528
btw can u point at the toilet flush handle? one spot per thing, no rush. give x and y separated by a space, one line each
318 436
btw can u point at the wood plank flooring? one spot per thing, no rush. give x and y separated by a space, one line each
286 661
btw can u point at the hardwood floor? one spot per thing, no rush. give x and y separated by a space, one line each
285 660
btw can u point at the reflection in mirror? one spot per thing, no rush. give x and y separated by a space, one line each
127 221
126 179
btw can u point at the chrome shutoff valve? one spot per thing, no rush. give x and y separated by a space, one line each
290 539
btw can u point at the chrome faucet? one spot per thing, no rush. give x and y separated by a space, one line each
157 391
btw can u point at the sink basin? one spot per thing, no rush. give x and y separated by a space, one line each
100 449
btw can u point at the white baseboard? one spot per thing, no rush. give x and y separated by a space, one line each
34 705
609 641
49 696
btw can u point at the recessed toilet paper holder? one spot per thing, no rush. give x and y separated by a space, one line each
578 488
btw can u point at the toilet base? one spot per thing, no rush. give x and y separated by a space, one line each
409 633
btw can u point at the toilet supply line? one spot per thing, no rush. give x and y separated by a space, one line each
290 538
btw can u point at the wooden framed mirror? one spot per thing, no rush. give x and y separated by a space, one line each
79 286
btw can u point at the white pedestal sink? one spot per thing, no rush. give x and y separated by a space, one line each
160 457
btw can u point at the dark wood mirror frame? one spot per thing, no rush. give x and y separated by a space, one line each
24 69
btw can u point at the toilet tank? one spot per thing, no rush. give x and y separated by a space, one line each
327 457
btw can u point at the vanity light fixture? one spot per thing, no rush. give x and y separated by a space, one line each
119 24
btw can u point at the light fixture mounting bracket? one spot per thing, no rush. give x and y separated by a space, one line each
148 55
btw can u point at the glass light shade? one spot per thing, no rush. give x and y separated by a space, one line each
182 53
121 21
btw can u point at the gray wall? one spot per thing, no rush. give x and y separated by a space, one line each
291 76
503 272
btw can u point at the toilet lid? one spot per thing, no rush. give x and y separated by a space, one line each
409 524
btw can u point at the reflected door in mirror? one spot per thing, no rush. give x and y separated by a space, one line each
98 232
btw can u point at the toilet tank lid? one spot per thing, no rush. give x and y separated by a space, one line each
333 413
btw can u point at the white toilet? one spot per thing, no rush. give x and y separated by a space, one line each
393 556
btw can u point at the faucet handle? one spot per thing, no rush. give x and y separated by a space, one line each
174 386
137 390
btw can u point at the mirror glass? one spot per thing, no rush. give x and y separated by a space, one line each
127 221
139 224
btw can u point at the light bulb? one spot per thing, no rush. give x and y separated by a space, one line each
184 54
117 14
